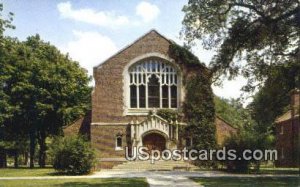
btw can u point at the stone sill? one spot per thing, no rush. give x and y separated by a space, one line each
143 111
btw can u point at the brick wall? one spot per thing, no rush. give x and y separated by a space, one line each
104 140
80 126
108 99
223 130
287 138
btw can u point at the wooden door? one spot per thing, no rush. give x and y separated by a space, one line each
154 141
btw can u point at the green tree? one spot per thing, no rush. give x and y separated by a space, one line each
4 67
5 23
5 108
45 89
42 90
61 91
263 33
233 112
273 99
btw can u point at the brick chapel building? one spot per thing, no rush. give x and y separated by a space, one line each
140 78
288 134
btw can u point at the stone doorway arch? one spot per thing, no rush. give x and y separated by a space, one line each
154 141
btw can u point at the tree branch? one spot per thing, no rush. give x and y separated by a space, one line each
288 14
249 7
286 54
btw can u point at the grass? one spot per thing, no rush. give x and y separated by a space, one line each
130 182
275 171
248 181
278 171
267 170
27 172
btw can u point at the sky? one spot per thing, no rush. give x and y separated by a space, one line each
91 31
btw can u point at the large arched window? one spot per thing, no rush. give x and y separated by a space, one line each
153 84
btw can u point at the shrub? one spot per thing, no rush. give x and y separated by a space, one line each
72 155
242 141
238 143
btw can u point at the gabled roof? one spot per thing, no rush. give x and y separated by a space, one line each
287 116
226 122
126 47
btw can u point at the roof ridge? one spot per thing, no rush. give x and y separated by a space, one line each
218 116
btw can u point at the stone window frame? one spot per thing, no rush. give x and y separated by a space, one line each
126 83
119 147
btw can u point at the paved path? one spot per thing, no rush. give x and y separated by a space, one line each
154 178
174 178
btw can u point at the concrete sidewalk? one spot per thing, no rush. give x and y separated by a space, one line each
154 178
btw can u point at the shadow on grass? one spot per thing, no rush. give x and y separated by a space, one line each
26 167
126 182
108 183
81 184
274 171
57 173
248 181
47 171
278 171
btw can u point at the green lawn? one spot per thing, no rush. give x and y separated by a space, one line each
247 181
278 171
25 172
130 182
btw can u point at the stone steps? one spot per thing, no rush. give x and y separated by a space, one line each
160 165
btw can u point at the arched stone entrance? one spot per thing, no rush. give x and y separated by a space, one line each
164 135
154 141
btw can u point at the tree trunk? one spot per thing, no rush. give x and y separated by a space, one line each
42 151
2 158
25 158
32 148
16 157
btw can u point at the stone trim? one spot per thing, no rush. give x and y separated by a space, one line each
126 79
107 124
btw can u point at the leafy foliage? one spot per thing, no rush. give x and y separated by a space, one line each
200 112
41 91
273 98
168 114
198 107
5 108
263 33
5 23
185 55
245 140
72 155
257 39
233 112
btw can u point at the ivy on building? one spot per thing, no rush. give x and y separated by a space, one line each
184 55
170 115
198 108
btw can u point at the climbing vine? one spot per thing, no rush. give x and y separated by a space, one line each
184 55
169 115
198 107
